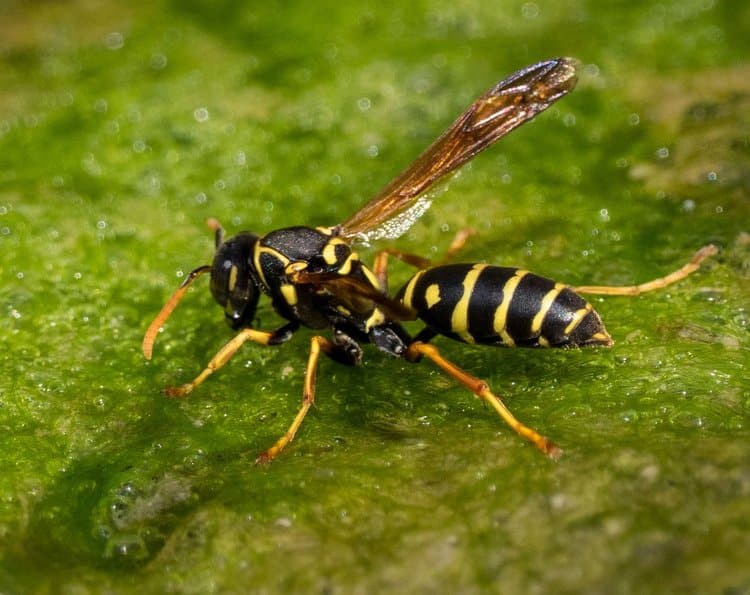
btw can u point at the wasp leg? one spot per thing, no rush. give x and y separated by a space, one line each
459 240
317 344
480 388
344 350
229 349
380 263
659 283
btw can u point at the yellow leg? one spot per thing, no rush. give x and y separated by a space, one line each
380 264
380 270
482 390
660 283
461 237
222 357
317 344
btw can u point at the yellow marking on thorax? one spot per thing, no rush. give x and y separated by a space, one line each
501 314
346 266
409 290
578 316
256 264
460 316
329 250
547 301
295 267
260 250
289 292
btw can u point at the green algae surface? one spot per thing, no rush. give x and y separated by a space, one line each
123 128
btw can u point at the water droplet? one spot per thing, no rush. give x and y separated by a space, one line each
114 40
530 10
284 522
201 114
158 61
364 103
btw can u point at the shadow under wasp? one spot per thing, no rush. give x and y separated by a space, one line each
315 279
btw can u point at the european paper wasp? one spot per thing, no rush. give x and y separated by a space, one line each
315 279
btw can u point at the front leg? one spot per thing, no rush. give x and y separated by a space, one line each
224 354
342 349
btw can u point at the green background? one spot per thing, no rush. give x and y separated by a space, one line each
123 127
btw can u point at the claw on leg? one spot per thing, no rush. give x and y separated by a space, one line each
317 344
660 283
479 387
222 357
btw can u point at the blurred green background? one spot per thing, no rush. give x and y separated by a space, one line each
124 126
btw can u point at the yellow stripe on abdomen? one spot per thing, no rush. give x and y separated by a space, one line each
460 316
501 314
547 301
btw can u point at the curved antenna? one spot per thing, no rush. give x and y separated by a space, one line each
166 311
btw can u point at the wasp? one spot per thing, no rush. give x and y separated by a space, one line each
315 278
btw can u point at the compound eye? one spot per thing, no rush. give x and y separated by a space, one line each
221 280
232 283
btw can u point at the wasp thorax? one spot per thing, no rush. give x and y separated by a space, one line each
233 279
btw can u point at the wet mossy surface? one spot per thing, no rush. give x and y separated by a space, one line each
122 129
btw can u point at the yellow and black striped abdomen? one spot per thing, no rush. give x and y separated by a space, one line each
490 305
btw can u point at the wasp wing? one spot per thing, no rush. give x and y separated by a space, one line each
505 106
353 290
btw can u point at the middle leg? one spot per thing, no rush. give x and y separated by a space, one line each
343 350
380 263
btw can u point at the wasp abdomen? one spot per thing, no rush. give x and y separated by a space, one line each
490 305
